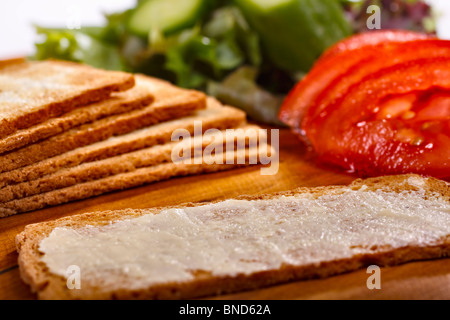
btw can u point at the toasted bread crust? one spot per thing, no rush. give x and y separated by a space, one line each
77 85
50 286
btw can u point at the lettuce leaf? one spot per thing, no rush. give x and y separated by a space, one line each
79 46
198 55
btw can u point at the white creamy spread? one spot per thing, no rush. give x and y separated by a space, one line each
242 237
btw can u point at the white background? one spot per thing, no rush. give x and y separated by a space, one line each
17 17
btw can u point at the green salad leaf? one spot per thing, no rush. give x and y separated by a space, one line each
198 55
79 46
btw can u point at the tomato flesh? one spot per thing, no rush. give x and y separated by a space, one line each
372 135
436 108
380 148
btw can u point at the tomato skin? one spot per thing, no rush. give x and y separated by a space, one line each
371 39
331 66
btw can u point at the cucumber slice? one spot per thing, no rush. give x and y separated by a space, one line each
167 16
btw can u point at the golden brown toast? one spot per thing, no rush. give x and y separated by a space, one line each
32 92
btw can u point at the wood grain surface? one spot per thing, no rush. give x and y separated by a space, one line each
417 280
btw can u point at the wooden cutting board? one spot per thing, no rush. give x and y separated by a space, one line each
418 280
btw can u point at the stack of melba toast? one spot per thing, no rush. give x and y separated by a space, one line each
70 131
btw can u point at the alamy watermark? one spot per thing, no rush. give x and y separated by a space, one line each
374 281
374 21
73 275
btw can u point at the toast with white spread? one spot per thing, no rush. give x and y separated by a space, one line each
204 249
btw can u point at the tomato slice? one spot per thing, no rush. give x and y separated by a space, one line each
378 127
331 65
377 58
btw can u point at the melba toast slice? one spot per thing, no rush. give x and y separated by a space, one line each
214 116
33 92
118 103
171 102
200 249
